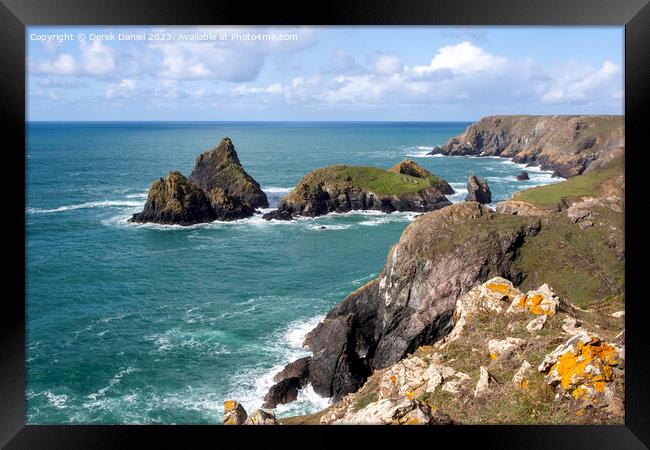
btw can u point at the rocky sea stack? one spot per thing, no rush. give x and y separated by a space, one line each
218 189
568 145
478 190
342 188
220 169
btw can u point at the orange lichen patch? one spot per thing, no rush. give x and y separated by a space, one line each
493 356
501 288
410 395
229 404
425 348
586 369
522 301
392 378
523 383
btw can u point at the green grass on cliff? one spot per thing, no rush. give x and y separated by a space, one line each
582 185
373 179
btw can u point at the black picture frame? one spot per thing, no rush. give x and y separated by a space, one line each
15 15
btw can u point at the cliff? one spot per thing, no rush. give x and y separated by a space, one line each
341 188
568 145
561 257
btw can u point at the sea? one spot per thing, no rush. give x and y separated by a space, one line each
153 324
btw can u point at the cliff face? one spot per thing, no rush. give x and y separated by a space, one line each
568 145
577 247
220 168
340 188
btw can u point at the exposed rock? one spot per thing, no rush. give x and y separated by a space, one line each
568 145
571 326
261 417
220 168
519 208
411 168
389 412
343 188
478 190
618 314
537 323
540 301
485 380
413 376
233 413
523 176
584 368
227 207
285 391
504 348
175 200
579 212
520 380
440 256
298 369
277 214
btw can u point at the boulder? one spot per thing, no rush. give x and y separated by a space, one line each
519 208
402 412
537 323
298 369
584 368
540 301
485 381
571 326
261 417
523 176
478 190
285 391
175 200
278 214
233 413
504 348
220 168
520 380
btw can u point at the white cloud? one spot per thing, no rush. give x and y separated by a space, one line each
464 58
124 89
388 65
242 89
63 65
97 58
580 84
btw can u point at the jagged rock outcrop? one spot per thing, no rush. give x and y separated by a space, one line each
218 189
220 168
519 208
568 145
390 412
175 200
478 190
411 168
233 413
523 176
439 256
343 188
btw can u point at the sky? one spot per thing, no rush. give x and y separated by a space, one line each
321 73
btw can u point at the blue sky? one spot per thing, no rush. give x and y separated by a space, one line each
323 73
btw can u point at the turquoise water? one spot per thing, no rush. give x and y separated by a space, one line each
159 324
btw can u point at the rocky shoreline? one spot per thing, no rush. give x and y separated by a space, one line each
574 244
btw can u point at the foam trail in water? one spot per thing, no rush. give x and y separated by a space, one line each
100 204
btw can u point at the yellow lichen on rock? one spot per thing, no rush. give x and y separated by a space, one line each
583 367
540 301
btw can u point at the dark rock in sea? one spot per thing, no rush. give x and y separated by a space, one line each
440 255
285 391
523 176
343 188
277 215
227 207
297 369
175 200
478 190
220 168
568 145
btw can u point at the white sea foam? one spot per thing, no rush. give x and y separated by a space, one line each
100 204
277 190
250 386
112 382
